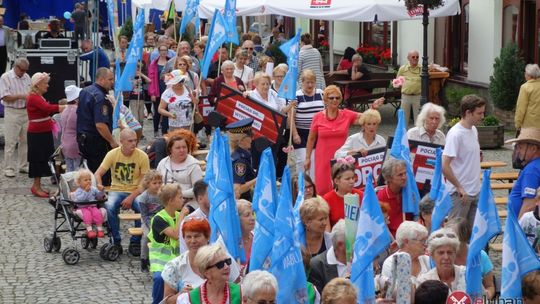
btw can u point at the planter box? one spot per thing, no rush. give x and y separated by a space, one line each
491 137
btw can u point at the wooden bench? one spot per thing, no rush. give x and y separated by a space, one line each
508 176
501 200
503 213
492 164
135 231
502 186
129 216
361 102
200 153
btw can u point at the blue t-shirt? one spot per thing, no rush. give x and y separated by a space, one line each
525 186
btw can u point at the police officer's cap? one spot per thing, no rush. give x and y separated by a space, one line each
241 126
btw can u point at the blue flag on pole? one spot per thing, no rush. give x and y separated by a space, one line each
372 237
518 258
134 54
486 226
400 150
223 213
217 36
230 19
290 48
287 263
298 225
439 193
117 94
264 204
191 11
110 12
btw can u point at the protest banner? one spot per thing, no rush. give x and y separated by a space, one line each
364 165
352 210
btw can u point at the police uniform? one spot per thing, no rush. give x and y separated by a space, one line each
93 108
241 159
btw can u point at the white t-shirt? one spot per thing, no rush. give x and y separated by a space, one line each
245 74
389 264
357 141
180 105
530 224
273 102
462 145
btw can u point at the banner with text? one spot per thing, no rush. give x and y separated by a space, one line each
364 165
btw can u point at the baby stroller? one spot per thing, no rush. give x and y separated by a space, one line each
66 220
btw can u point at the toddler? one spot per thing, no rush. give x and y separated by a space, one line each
150 205
90 214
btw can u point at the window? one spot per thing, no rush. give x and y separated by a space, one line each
465 38
510 24
377 34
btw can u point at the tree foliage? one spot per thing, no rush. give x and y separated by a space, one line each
508 76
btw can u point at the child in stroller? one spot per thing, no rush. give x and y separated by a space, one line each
89 213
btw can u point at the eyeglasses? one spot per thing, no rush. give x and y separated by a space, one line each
221 264
334 98
279 76
248 48
21 69
423 242
414 57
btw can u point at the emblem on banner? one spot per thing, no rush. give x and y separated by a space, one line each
320 3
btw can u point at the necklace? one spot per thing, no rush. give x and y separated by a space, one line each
204 294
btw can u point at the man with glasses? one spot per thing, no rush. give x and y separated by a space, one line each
253 61
411 89
14 88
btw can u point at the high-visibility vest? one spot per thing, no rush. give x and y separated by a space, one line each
161 253
235 295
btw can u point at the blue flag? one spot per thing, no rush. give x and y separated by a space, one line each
117 94
486 226
191 11
134 54
518 258
298 225
290 48
223 214
400 150
264 204
110 13
287 263
230 19
217 36
372 237
439 193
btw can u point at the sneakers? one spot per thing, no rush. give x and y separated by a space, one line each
145 265
9 173
100 234
91 234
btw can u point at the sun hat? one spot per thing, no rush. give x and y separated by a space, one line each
175 77
528 135
38 77
72 92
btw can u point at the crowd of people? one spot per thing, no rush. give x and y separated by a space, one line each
164 181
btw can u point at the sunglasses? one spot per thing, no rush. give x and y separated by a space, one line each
334 98
248 48
221 264
414 57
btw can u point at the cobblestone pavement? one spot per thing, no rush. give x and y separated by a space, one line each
29 275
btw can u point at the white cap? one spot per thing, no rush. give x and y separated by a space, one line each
175 77
72 92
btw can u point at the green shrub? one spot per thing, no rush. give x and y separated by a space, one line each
508 71
127 29
490 120
454 95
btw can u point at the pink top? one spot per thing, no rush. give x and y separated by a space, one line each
70 148
331 135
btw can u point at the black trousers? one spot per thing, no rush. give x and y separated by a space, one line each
93 148
3 59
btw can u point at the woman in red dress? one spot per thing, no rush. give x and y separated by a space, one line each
40 131
330 129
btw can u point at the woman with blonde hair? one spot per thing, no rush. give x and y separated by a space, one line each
366 139
314 215
330 129
241 70
264 94
339 291
247 224
40 131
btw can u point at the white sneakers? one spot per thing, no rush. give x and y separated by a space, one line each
9 173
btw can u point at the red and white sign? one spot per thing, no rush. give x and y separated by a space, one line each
458 297
321 3
364 165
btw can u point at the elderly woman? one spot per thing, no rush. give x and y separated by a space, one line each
214 265
366 139
314 216
180 167
227 77
178 103
184 64
259 286
330 129
357 71
428 123
426 206
241 70
247 223
310 58
339 291
343 178
309 101
277 76
40 131
442 247
395 176
528 103
463 231
179 274
411 238
264 94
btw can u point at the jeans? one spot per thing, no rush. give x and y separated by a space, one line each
157 118
113 205
157 287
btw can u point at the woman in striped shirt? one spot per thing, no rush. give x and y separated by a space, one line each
310 58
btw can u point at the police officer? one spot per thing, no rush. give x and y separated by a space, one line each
243 172
94 121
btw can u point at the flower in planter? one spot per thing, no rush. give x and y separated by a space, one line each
323 46
375 54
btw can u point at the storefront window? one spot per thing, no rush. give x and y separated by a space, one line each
510 24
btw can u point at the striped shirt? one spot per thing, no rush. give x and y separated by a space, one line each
310 59
11 84
307 107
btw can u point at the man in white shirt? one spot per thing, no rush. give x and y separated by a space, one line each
461 159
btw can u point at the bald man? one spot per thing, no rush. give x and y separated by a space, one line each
128 165
411 89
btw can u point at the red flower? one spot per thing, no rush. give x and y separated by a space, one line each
172 99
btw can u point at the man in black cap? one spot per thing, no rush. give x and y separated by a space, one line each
243 172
